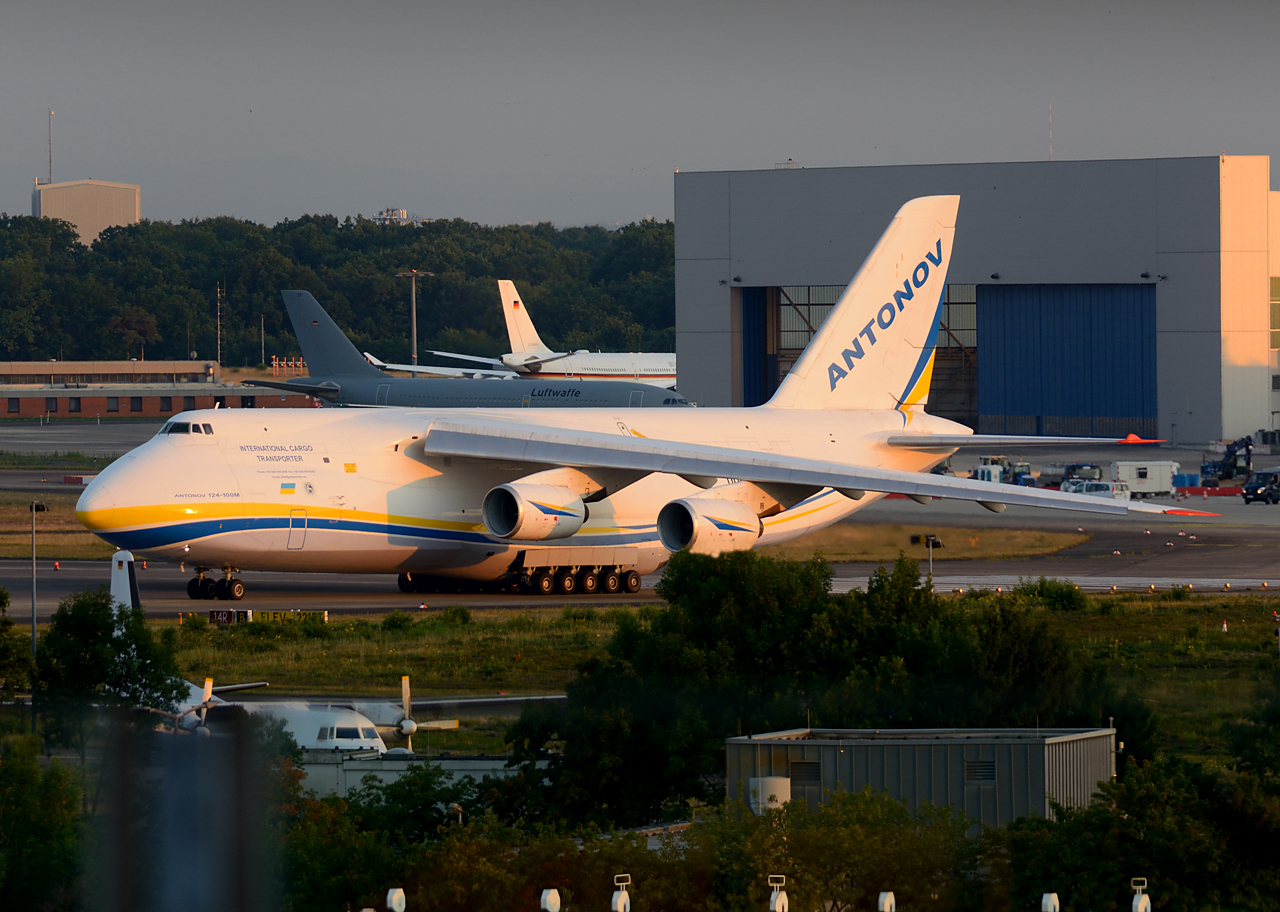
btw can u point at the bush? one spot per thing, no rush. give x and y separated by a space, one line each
397 621
455 614
1054 594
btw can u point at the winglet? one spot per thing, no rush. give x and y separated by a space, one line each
374 361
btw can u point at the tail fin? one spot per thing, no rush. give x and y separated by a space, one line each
524 338
875 350
325 347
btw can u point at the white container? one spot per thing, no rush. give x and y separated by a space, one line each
1151 478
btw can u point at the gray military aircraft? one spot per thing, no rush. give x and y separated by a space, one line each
340 375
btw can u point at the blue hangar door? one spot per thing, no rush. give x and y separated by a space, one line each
1069 360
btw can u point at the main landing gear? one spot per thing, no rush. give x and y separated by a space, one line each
227 589
580 581
537 581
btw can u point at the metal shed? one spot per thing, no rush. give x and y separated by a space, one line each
994 775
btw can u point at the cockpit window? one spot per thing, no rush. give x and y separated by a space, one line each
179 427
369 734
208 428
165 429
351 733
195 428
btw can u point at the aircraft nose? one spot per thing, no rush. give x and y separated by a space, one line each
93 506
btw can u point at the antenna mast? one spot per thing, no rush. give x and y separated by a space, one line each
1051 131
51 147
219 359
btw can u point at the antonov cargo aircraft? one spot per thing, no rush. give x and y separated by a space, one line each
530 357
574 499
341 376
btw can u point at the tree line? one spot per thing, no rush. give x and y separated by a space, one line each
150 289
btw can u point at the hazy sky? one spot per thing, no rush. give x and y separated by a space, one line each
579 112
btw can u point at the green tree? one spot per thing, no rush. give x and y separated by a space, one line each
16 663
747 644
1201 841
99 655
40 829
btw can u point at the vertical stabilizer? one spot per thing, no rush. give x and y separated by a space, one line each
524 338
875 350
325 347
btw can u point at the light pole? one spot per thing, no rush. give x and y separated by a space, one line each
36 507
412 276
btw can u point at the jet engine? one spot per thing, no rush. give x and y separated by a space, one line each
533 512
707 525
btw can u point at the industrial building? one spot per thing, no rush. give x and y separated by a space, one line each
91 205
993 775
125 389
1084 298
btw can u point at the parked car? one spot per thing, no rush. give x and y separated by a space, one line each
1117 490
1263 486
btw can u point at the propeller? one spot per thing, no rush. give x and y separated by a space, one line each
407 726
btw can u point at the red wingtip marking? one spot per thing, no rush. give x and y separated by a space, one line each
1134 438
1177 512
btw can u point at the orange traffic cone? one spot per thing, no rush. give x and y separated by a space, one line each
55 566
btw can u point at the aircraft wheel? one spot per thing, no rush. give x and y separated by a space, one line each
405 582
208 589
193 588
542 582
566 583
588 582
631 581
235 590
220 590
610 582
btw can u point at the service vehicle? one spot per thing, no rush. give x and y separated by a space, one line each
1262 486
1146 478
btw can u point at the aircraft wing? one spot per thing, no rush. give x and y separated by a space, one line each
499 373
951 441
586 449
492 362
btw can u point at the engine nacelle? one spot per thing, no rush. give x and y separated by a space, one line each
533 512
708 526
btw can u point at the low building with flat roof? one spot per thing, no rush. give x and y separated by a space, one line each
993 775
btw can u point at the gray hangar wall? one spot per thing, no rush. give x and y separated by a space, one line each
1056 252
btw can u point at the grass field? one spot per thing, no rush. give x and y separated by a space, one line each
491 652
863 542
1169 651
1175 655
59 535
55 462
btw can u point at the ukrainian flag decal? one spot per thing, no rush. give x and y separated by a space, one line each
288 487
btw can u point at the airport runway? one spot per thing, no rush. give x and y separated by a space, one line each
1208 557
163 591
81 435
1242 547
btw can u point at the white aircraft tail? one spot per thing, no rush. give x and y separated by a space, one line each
875 350
524 338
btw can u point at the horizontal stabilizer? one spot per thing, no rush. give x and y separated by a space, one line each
324 389
586 449
431 370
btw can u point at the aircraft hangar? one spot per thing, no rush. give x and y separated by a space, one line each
1083 298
